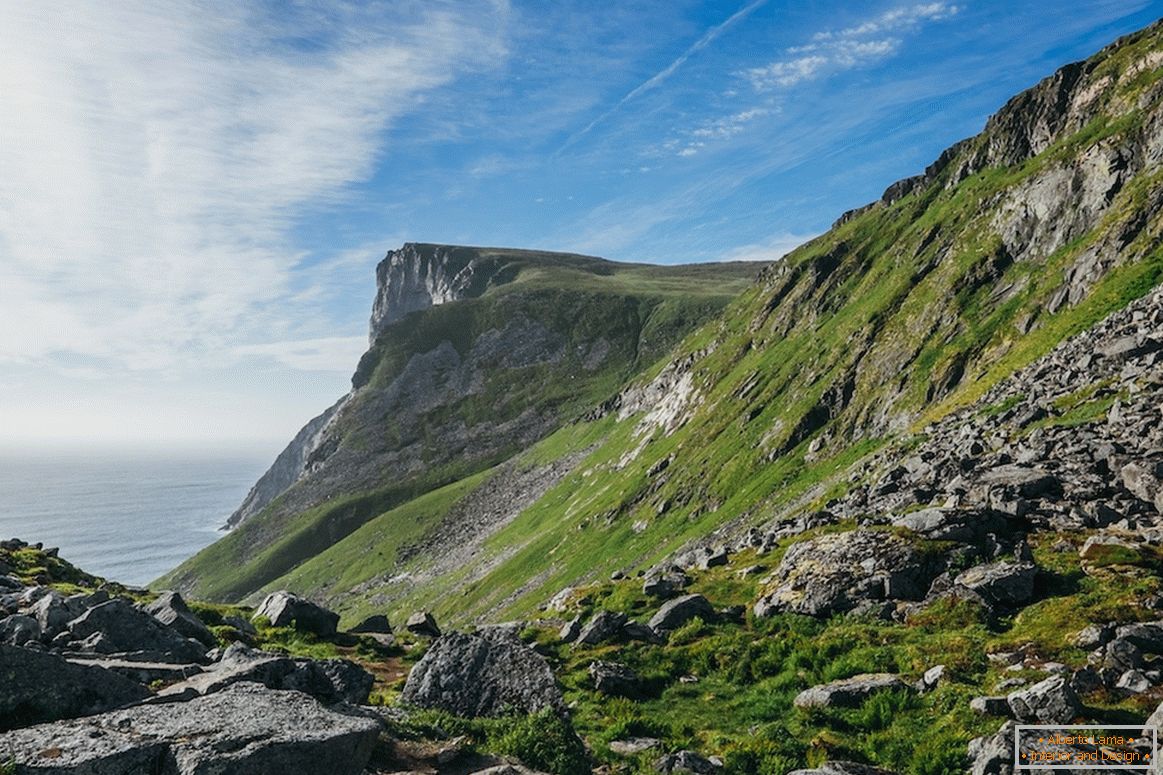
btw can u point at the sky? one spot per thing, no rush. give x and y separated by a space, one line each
194 195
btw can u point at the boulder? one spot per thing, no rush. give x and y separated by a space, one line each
843 768
990 706
284 609
675 613
1051 701
482 674
18 630
665 584
686 762
715 558
117 627
1142 480
614 678
931 678
849 692
246 729
376 624
171 610
632 746
941 524
1005 584
570 630
144 673
36 686
424 624
53 612
633 630
604 626
1093 636
1147 636
993 754
327 680
835 573
1021 481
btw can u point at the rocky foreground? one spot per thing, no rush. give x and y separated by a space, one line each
1044 496
110 680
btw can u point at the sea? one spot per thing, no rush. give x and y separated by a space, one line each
128 516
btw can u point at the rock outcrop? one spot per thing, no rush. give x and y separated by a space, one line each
245 729
284 609
482 674
37 687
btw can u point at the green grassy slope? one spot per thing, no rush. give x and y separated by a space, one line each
546 338
901 313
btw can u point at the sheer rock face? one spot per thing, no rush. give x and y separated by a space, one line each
483 674
417 277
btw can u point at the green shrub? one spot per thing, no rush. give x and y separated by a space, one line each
543 741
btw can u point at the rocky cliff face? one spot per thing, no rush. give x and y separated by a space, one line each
476 354
412 278
419 276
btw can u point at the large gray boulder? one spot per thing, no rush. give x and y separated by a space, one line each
604 626
616 679
835 573
482 674
245 730
1047 702
171 610
327 680
53 612
850 692
284 609
19 629
376 624
117 627
941 524
36 686
1005 584
424 624
993 754
686 762
675 613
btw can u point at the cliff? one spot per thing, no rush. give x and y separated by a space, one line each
476 354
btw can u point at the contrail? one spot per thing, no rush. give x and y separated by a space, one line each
708 37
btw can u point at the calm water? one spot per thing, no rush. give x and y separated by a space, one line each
127 516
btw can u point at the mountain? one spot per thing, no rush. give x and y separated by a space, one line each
476 354
487 505
898 494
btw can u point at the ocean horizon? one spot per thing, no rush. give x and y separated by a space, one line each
127 515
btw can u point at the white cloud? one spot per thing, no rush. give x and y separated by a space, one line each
730 125
154 157
787 72
336 353
771 249
895 19
836 50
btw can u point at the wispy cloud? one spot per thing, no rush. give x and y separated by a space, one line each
832 51
707 38
895 19
335 353
773 248
155 157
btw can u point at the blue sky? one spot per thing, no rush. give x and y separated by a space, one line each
193 195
